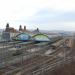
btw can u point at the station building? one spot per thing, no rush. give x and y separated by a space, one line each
11 32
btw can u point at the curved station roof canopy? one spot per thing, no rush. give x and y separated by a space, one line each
36 37
23 37
41 38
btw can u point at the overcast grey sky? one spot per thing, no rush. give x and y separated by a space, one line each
44 14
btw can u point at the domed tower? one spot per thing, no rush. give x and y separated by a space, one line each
37 29
24 28
7 27
20 28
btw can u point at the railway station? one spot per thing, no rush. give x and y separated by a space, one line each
35 54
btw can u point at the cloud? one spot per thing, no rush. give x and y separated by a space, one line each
46 16
47 13
51 19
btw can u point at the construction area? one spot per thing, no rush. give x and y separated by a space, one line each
42 58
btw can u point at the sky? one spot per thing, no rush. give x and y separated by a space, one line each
44 14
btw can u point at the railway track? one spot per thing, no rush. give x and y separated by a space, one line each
29 62
34 64
52 65
33 61
41 64
8 45
7 52
48 64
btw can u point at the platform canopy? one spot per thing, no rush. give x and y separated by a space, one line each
41 37
23 37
